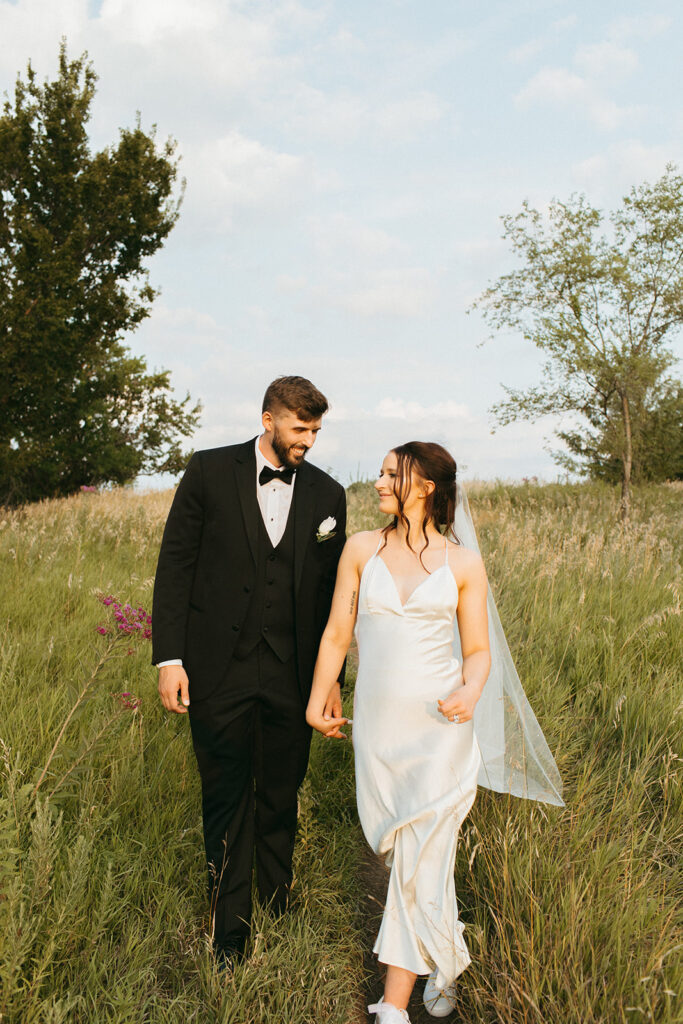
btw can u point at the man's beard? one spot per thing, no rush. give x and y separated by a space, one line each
284 453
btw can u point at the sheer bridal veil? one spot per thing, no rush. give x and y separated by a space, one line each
515 755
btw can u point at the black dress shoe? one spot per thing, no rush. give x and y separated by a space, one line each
230 951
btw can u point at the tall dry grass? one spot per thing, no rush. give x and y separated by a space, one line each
573 915
103 911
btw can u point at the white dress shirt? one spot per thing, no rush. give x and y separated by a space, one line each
274 500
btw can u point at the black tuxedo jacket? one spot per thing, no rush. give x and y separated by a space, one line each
207 564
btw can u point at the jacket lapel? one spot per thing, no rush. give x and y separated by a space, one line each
304 507
245 479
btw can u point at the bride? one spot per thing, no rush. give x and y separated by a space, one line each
418 753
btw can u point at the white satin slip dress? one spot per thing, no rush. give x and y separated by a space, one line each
416 772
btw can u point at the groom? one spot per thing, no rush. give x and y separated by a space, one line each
242 594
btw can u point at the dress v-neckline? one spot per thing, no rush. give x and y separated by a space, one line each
403 604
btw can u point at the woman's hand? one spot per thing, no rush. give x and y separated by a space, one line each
324 711
460 703
330 727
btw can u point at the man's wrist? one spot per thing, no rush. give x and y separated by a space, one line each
173 661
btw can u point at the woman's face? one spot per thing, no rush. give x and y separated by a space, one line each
386 483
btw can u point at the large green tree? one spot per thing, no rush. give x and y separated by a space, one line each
76 407
603 306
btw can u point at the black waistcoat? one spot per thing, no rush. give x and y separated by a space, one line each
271 610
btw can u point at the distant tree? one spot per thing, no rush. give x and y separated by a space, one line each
657 441
603 310
76 408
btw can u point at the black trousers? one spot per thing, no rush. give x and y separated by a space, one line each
252 742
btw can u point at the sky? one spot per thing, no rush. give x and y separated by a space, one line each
347 163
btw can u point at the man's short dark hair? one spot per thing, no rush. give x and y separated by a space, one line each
297 395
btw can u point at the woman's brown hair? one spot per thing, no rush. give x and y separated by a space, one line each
429 461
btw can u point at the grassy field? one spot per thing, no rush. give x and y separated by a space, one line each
571 913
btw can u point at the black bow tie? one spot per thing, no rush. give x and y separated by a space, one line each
267 474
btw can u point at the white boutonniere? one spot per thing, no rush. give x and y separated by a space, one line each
326 529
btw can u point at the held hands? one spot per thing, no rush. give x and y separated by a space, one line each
173 681
460 703
330 720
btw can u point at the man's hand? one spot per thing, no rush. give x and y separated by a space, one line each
172 682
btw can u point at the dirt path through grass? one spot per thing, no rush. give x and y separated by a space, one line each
373 877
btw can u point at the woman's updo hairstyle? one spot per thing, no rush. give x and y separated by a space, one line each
428 461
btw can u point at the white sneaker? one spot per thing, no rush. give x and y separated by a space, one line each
438 1002
387 1013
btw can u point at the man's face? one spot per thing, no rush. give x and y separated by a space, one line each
290 436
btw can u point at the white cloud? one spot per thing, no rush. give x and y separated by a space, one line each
161 43
561 87
599 68
645 26
179 337
520 54
403 119
606 61
221 42
346 116
622 165
31 29
529 49
397 292
551 84
415 412
183 319
348 42
235 172
157 21
343 238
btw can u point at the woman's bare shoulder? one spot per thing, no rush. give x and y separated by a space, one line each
363 542
359 548
467 565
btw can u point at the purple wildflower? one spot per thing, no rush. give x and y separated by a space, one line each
129 621
128 700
